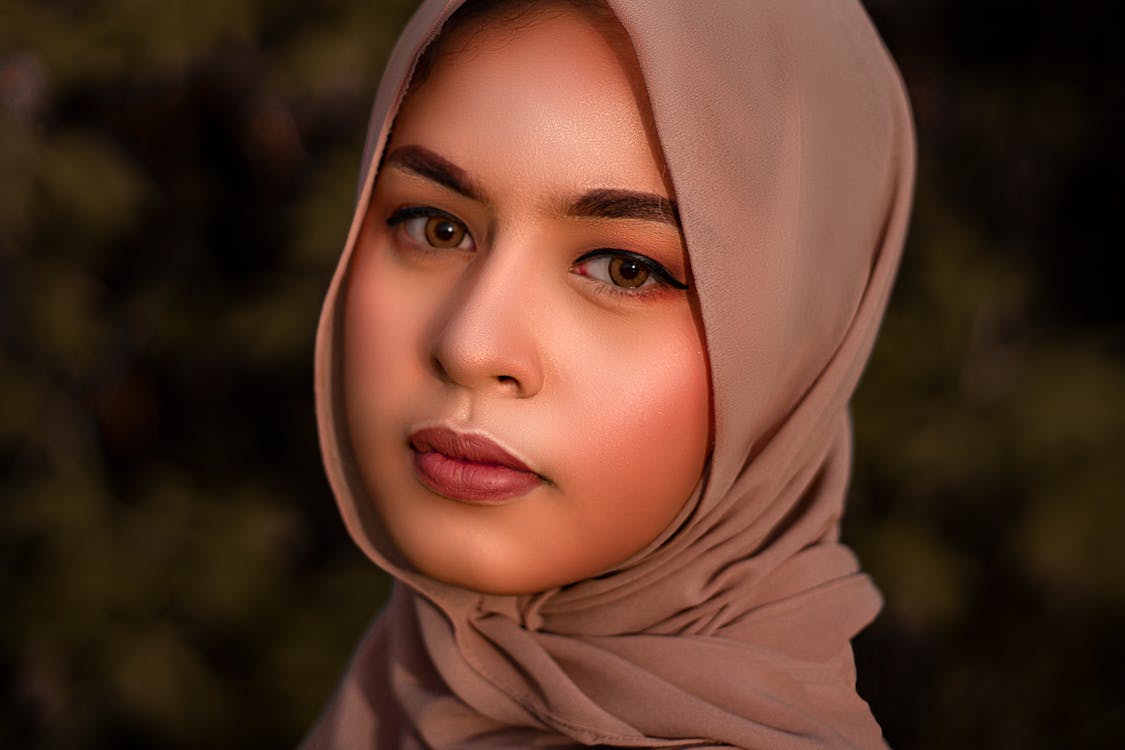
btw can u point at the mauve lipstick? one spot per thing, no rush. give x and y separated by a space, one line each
469 467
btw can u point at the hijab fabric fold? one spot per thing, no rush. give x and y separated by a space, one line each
787 134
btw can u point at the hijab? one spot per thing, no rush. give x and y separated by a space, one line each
787 134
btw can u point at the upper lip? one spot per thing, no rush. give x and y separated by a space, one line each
473 447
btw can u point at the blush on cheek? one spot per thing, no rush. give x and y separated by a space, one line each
382 315
645 436
375 322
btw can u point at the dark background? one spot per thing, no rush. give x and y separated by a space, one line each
176 182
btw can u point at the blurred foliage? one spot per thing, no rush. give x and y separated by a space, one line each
989 486
175 184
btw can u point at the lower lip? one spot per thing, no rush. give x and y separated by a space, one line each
471 482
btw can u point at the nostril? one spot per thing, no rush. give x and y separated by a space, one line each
512 385
438 368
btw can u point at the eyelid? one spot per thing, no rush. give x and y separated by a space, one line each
414 212
654 267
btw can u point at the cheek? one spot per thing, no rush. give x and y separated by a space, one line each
382 326
644 424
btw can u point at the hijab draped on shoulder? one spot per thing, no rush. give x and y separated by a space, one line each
787 134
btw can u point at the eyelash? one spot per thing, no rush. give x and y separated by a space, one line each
664 280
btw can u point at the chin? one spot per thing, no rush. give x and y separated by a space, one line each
488 578
489 565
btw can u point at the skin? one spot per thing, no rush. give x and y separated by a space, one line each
603 390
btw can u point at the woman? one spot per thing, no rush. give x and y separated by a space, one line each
584 367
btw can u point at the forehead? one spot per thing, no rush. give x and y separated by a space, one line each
556 89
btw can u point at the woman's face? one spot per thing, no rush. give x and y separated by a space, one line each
525 377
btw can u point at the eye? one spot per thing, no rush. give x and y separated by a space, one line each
429 226
627 272
624 270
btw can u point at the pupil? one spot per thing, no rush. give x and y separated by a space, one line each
445 231
629 269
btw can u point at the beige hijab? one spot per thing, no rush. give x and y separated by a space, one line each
787 134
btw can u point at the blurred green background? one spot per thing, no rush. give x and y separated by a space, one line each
175 184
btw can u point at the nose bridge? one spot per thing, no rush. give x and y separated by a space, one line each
486 337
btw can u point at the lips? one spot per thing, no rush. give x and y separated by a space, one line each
469 467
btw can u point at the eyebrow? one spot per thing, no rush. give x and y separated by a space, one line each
625 204
425 163
600 203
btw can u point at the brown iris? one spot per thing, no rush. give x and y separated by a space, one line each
442 232
627 272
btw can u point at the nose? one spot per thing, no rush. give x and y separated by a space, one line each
486 335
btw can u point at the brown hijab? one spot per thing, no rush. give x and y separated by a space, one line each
787 133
